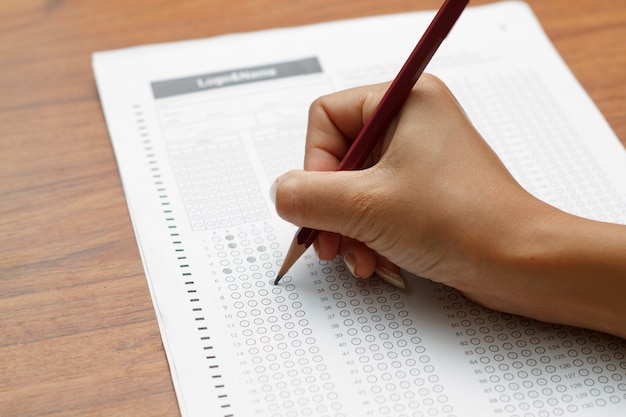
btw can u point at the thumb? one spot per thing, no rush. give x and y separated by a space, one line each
323 200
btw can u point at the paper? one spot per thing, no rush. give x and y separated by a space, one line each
201 129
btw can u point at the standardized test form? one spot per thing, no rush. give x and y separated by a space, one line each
201 129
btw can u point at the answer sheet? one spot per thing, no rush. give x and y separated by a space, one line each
201 129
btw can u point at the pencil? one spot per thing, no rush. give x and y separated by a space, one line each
387 109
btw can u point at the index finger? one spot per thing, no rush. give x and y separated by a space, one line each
335 120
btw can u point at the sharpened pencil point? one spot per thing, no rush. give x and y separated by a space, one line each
293 254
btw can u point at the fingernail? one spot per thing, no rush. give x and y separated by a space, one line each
392 278
273 189
350 260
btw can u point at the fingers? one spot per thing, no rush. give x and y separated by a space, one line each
327 245
334 121
361 261
306 199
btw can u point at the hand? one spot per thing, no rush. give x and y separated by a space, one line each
435 201
420 205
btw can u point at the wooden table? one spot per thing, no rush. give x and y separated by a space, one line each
78 334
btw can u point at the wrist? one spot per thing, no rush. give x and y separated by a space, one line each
566 269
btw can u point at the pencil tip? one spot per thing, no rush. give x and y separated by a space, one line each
295 251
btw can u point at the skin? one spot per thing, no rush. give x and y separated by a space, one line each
436 201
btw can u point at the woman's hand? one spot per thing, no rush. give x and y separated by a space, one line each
437 202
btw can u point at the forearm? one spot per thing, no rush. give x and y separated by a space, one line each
568 270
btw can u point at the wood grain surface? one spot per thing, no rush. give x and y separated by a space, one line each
78 333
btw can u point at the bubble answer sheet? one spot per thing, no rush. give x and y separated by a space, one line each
200 130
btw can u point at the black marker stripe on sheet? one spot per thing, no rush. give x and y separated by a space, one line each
179 251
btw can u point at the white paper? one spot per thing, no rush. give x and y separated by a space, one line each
201 129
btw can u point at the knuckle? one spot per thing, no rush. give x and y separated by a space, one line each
369 205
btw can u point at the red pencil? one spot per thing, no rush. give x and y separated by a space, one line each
387 109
